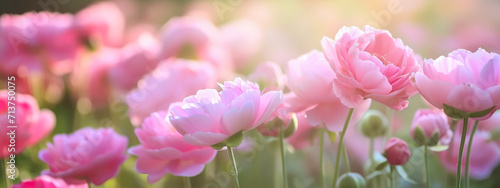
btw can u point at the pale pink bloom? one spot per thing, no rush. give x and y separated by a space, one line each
101 22
468 81
311 82
39 41
370 63
182 34
93 154
304 135
210 117
269 75
171 81
45 181
162 150
397 151
135 60
242 38
432 122
32 123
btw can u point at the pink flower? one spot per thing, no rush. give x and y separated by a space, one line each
45 181
32 123
38 41
304 135
163 151
311 83
197 39
397 151
170 82
209 117
369 63
431 122
242 38
102 22
269 75
94 154
464 80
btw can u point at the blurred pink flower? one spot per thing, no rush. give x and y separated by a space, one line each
45 181
170 82
464 80
135 60
431 122
311 83
39 41
397 151
209 117
304 135
269 76
163 151
93 154
370 63
242 38
32 123
101 22
182 34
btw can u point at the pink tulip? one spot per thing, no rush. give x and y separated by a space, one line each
468 81
38 41
209 117
45 181
431 122
269 75
183 34
93 154
170 82
370 63
163 151
32 123
397 151
103 22
311 83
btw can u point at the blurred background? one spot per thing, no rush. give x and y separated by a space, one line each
259 31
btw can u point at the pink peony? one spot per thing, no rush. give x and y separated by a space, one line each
38 41
242 38
269 75
468 81
163 151
397 151
370 63
45 181
304 135
170 82
88 153
431 122
101 22
32 124
311 83
209 117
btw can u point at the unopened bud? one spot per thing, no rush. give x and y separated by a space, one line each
374 124
351 180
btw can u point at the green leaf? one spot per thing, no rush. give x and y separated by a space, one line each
434 140
333 136
219 145
481 113
235 140
381 166
438 148
401 171
292 126
454 113
419 136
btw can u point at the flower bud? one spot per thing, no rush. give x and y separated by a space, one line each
430 128
374 124
351 180
397 151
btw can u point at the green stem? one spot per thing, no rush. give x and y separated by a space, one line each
187 181
372 151
321 160
341 146
235 169
467 159
282 149
88 182
346 159
391 178
427 176
461 151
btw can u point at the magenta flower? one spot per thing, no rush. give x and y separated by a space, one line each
170 82
370 63
45 181
432 128
163 151
467 81
311 82
397 151
93 154
32 123
209 117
